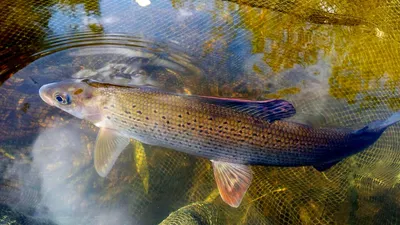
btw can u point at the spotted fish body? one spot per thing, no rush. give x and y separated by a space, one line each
196 126
232 133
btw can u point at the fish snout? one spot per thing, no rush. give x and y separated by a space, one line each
45 95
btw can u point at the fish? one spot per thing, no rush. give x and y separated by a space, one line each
233 134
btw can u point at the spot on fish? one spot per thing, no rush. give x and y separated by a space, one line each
188 124
163 117
139 112
113 106
147 118
188 113
77 92
167 121
180 116
155 111
133 106
127 112
108 117
105 107
210 118
225 122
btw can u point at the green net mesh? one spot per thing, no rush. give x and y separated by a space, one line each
336 60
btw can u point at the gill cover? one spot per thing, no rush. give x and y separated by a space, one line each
75 97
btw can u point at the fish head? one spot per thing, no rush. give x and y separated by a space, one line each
75 97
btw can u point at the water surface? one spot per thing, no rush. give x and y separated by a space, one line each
336 61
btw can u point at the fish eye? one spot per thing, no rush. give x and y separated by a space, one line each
63 99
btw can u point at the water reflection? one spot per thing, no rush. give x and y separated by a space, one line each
160 68
337 62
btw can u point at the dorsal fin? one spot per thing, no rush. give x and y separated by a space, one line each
270 110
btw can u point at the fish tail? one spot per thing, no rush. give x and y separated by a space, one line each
391 120
381 125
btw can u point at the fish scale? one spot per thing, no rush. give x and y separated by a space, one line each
215 132
232 133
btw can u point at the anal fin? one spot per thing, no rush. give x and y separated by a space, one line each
109 145
325 166
233 180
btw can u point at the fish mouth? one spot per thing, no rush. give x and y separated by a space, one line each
44 94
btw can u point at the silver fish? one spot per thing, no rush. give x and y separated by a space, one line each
231 133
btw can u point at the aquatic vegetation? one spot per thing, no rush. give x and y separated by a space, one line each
141 165
197 213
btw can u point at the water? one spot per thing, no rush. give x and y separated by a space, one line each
339 69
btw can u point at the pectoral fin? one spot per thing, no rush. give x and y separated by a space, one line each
233 180
109 145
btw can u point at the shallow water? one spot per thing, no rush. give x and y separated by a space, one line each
339 69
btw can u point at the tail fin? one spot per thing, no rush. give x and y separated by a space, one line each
380 125
391 120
